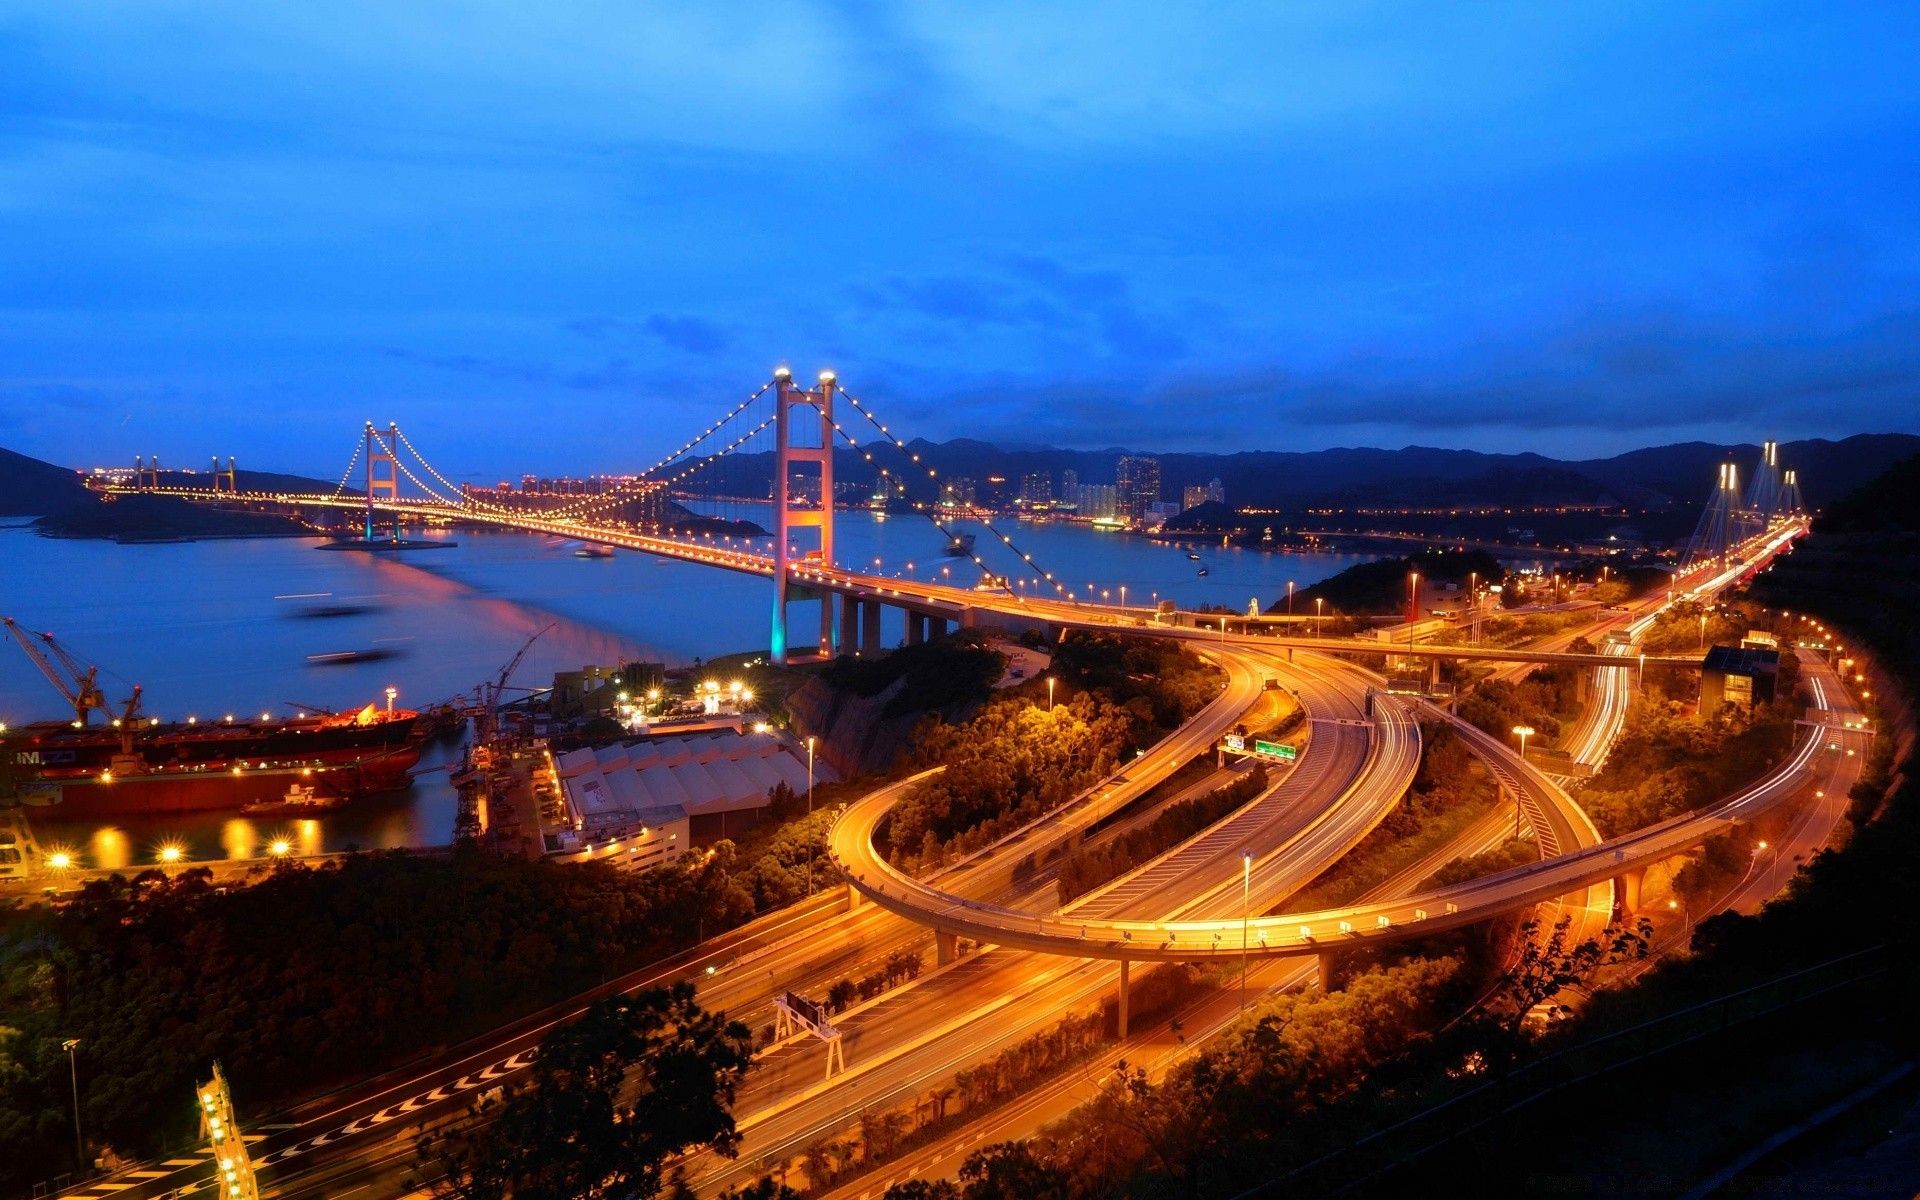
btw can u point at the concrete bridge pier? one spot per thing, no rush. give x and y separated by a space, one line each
870 627
916 627
854 898
1123 1000
849 638
1323 971
946 947
1627 888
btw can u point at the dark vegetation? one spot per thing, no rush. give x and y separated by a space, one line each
1541 700
1015 759
1381 586
955 669
1514 852
1086 869
308 978
614 1098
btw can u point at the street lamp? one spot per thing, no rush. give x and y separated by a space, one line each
1318 603
809 813
1050 682
1413 604
1525 732
1289 597
1246 911
73 1067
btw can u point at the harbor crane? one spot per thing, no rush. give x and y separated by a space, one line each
76 681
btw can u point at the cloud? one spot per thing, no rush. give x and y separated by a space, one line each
687 334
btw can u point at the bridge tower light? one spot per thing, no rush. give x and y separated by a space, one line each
809 415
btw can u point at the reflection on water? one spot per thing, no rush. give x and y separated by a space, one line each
108 848
214 627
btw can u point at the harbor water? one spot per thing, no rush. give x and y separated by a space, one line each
232 626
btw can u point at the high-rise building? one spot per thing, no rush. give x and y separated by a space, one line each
1138 484
1069 485
1193 496
959 492
1096 501
1216 491
1036 490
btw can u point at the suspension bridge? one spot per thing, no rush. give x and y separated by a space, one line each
778 445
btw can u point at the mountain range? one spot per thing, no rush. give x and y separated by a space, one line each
1657 478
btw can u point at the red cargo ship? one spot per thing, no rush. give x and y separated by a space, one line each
139 765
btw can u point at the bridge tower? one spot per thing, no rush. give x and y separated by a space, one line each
803 437
224 479
382 447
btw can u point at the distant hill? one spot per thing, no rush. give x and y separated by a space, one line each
29 487
1657 478
1890 503
160 519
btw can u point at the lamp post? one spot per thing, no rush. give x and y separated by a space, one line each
809 813
73 1067
1318 603
1289 597
1050 682
1525 732
1246 911
1703 631
1123 598
1413 604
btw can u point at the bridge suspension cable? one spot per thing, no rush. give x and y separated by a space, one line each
358 444
645 477
609 500
945 490
464 497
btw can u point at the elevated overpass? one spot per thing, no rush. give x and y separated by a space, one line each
1176 940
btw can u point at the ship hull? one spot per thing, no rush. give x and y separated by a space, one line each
185 768
176 793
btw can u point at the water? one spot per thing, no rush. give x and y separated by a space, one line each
210 628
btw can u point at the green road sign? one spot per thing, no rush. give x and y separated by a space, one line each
1276 750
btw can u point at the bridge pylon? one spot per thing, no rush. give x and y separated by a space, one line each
803 438
383 446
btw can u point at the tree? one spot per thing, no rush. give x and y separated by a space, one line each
1011 1171
614 1097
841 994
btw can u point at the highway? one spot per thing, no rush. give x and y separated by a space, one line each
965 1013
805 947
1171 940
898 1041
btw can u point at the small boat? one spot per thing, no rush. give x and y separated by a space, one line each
594 552
341 658
958 546
1192 557
300 800
1203 570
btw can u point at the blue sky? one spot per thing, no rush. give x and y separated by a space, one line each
560 236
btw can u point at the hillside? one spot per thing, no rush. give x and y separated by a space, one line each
29 487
